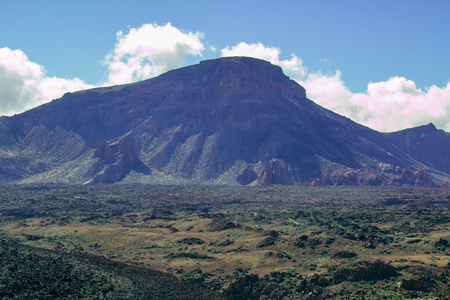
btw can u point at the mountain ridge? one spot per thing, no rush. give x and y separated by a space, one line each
234 120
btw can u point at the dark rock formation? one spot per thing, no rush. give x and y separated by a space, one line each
220 224
222 243
344 254
442 243
272 173
247 176
351 177
419 178
411 284
401 176
191 241
234 120
368 271
35 273
189 255
243 286
117 160
311 242
269 288
272 237
420 278
268 241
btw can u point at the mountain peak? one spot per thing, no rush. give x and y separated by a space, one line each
241 62
245 66
238 73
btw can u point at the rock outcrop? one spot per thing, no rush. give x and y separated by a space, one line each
246 176
272 173
401 177
368 271
117 160
352 177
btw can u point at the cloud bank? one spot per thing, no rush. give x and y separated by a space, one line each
24 84
150 50
386 106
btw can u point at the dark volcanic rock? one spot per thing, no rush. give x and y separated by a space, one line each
442 242
234 120
268 241
220 224
117 160
368 271
344 254
195 241
189 255
247 176
35 273
272 173
242 286
411 284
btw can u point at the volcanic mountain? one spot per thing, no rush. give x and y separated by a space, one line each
234 120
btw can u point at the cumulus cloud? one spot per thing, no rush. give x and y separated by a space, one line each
293 67
24 84
149 51
386 106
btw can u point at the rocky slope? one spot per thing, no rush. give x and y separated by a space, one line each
231 120
45 274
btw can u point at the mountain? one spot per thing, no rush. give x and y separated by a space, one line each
234 120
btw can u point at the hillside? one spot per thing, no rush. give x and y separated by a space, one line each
45 274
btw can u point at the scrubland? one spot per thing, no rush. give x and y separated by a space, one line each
275 242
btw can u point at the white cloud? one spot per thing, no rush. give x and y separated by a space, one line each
149 51
292 67
387 106
24 85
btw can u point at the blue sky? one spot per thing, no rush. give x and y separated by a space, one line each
382 63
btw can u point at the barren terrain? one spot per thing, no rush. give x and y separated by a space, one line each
276 242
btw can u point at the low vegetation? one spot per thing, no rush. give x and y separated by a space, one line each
277 242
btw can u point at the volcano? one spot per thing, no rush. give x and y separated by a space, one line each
234 121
